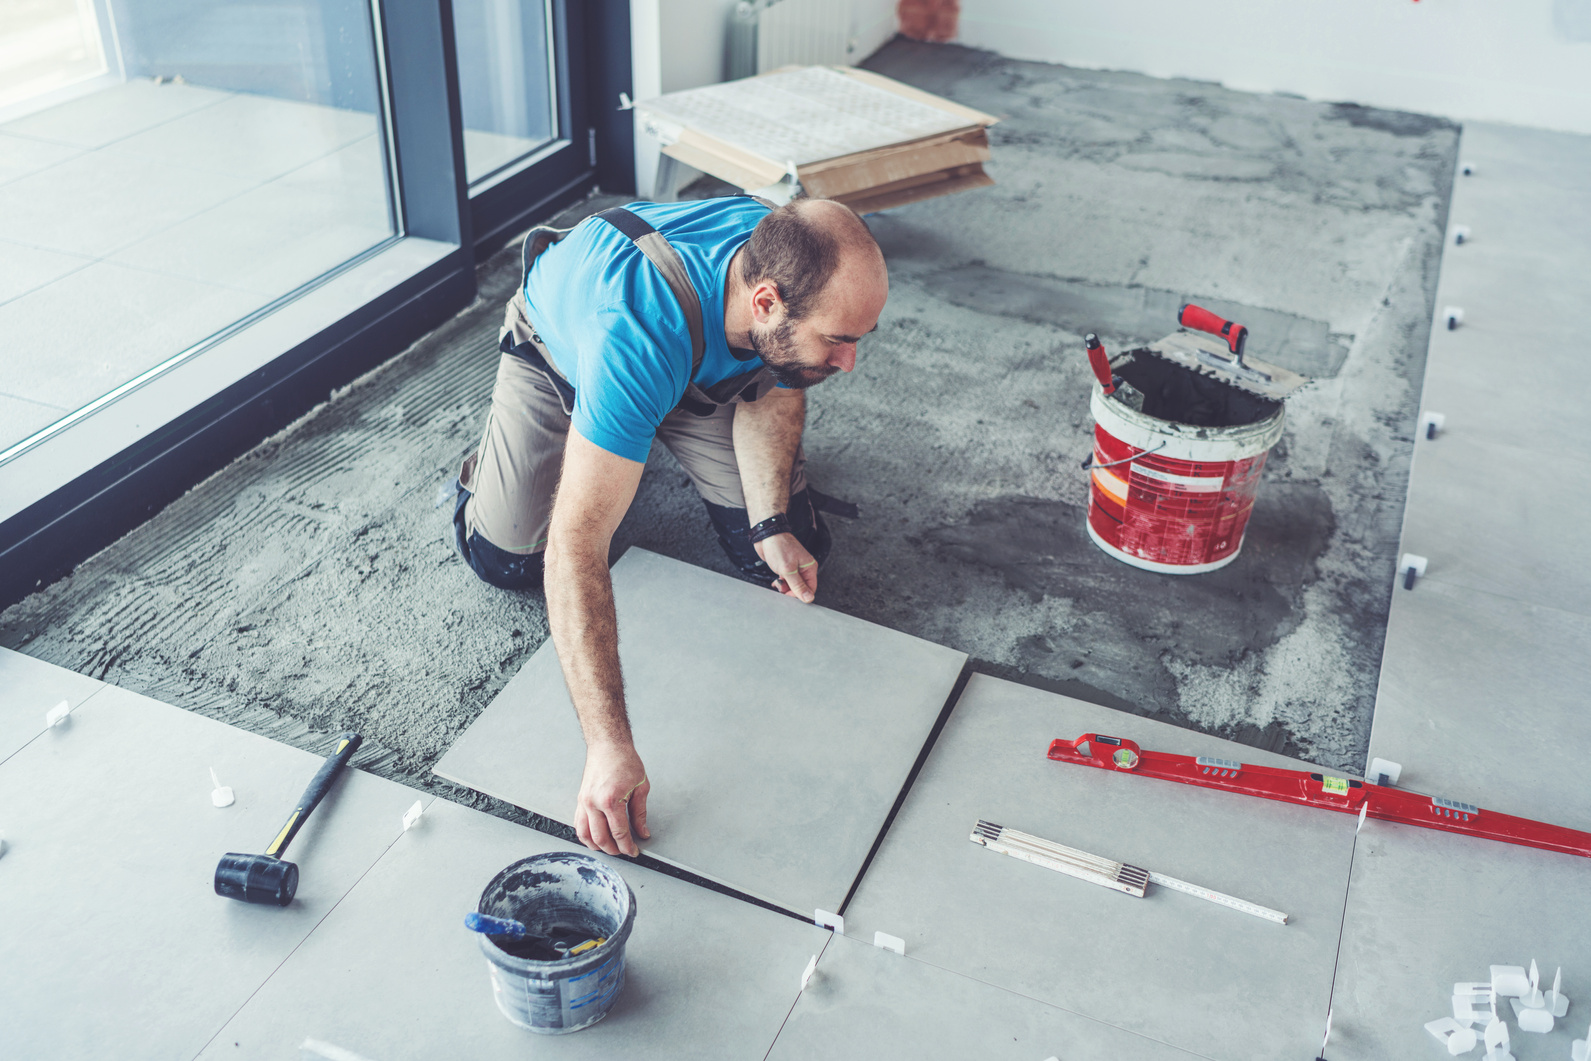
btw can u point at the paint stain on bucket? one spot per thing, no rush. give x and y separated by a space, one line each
1176 466
560 897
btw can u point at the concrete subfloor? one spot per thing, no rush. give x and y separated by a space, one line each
312 586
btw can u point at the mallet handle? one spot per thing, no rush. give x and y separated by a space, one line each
347 744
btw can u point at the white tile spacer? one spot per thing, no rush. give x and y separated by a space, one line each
411 817
1364 809
824 919
886 941
1532 1020
1431 424
1460 234
1497 1042
315 1050
1556 1003
57 714
1411 567
806 974
2 844
221 795
1474 1003
1580 1049
1467 168
1453 1035
1453 316
1385 772
1510 980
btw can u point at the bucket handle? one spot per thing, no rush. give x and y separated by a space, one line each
1088 461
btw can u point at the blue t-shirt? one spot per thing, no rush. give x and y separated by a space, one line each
615 329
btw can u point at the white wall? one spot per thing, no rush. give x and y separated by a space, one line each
679 44
1526 62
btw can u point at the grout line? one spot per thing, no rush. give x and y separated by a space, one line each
1528 602
102 687
796 1001
1342 930
32 401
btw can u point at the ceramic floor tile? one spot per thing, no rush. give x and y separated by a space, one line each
872 1003
29 688
20 418
115 941
247 136
1512 156
157 316
270 240
706 975
1483 700
771 770
1500 518
99 202
22 155
1168 966
485 152
105 117
24 268
1488 406
1427 910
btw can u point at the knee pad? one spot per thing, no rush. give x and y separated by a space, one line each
494 566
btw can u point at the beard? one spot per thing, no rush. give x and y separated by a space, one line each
776 347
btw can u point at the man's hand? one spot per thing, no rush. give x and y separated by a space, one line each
796 570
612 797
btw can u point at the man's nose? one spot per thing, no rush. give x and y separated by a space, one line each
844 357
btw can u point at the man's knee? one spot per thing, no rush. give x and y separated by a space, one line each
734 535
494 566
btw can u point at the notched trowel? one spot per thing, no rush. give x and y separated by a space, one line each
1224 360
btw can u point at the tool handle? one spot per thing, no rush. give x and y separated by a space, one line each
493 926
1202 320
1100 361
347 744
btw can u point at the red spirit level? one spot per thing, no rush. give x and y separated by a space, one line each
1319 790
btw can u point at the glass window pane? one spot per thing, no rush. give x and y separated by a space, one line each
242 157
505 81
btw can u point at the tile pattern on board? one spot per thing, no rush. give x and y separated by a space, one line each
393 973
776 734
1168 966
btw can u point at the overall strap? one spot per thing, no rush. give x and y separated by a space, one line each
661 253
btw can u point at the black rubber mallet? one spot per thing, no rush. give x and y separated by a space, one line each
268 878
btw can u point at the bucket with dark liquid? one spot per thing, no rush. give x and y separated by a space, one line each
555 980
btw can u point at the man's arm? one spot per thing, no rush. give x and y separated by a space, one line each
766 434
594 492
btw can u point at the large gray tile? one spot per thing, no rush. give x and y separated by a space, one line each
20 417
1488 404
1168 966
22 155
115 941
270 240
706 974
1523 159
253 137
1503 519
29 688
24 268
1427 910
156 316
99 202
776 734
105 117
872 1003
1483 700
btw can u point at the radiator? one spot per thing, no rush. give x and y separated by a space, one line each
767 34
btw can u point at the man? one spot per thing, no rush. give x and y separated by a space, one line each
706 342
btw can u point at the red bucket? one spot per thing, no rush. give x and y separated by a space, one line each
1173 497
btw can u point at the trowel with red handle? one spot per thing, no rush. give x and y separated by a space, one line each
1223 360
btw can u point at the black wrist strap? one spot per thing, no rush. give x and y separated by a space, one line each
778 523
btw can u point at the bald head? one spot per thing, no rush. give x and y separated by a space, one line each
801 246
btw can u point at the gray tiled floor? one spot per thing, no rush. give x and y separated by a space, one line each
114 939
29 688
1169 966
865 1002
173 210
392 973
771 771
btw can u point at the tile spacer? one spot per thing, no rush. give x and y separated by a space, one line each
1385 772
1450 1033
221 795
1411 567
1454 316
57 714
1431 424
1460 234
806 974
834 922
411 817
885 941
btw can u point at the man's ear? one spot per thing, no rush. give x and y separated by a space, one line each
765 301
